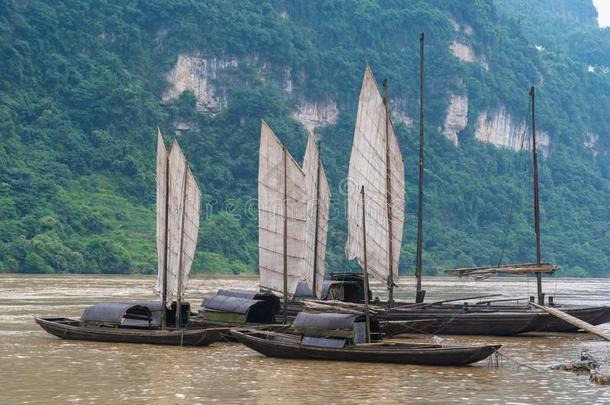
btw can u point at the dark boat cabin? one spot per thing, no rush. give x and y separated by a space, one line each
347 287
134 314
333 330
240 306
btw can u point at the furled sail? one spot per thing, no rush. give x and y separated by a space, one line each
182 211
282 209
318 203
375 147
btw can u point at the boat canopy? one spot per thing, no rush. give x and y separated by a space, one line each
334 326
326 321
241 306
128 314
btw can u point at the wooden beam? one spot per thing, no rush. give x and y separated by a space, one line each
513 269
572 320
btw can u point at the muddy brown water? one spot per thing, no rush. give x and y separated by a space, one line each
38 368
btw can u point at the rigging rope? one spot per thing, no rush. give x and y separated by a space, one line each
519 168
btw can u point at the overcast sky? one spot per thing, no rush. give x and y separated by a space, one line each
603 9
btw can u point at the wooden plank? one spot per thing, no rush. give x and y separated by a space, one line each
573 321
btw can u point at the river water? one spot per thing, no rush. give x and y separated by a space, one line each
38 368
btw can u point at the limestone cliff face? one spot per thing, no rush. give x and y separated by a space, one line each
197 73
457 117
500 128
461 48
313 115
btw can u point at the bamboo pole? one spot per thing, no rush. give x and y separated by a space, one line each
366 273
180 281
285 247
536 196
419 294
164 291
388 183
572 320
315 246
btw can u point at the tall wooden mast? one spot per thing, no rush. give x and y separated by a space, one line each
285 248
366 273
389 196
315 246
419 294
536 196
164 291
180 263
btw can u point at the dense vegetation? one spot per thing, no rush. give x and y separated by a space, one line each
80 91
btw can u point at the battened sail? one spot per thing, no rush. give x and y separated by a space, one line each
316 229
178 211
282 209
375 147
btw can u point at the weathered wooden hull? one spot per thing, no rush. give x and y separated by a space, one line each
70 329
430 355
496 321
592 315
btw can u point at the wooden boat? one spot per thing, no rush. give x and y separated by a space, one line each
157 322
66 328
484 318
340 337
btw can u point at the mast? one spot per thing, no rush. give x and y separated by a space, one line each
419 295
164 292
388 197
536 196
366 273
285 252
179 286
315 246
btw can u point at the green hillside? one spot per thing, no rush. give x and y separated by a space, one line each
83 86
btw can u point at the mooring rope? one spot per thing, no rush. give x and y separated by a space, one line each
517 362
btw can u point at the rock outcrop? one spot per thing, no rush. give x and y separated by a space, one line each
457 117
500 128
313 115
197 74
466 53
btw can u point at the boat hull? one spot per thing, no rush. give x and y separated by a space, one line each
496 321
65 328
430 355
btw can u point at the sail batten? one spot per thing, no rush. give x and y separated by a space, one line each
369 168
318 204
281 197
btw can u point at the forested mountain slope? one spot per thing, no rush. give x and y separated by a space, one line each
83 86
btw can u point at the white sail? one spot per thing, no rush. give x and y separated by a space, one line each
177 220
279 178
318 203
368 167
175 211
161 209
192 204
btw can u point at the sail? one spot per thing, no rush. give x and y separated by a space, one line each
280 177
368 167
316 229
161 209
192 204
